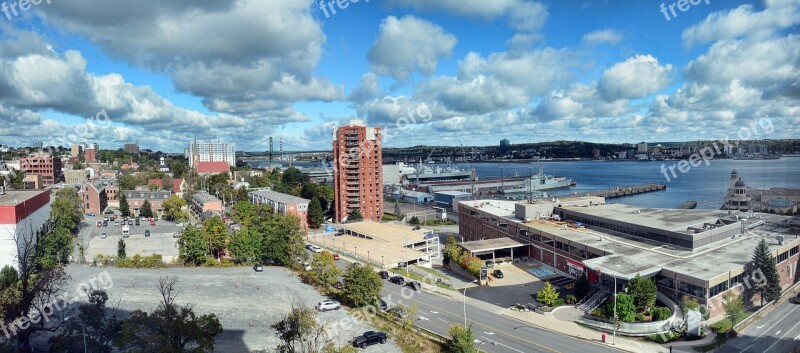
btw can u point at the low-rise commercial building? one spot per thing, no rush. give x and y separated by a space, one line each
23 216
205 205
449 199
283 204
697 253
48 167
75 177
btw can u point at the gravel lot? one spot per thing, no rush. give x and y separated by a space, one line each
160 240
246 302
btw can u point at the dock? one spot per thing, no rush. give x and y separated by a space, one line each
625 191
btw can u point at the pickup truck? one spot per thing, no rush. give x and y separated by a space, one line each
369 338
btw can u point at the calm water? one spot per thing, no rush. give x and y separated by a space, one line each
705 184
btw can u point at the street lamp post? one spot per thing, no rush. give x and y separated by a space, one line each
83 330
465 305
614 340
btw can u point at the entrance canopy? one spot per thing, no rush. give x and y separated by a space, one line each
490 245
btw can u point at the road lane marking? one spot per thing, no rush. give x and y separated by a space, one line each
779 332
488 333
434 312
759 327
487 327
778 340
490 341
440 319
765 331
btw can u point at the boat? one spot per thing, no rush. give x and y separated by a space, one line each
437 173
542 181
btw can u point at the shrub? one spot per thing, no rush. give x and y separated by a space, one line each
139 261
103 260
721 326
558 302
661 313
598 312
638 317
666 337
570 299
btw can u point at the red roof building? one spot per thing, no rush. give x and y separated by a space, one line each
213 167
178 185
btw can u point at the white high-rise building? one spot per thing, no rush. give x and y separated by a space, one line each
211 152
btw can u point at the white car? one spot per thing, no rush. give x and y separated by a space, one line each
316 249
306 266
328 304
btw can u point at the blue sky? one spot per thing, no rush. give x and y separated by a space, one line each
244 70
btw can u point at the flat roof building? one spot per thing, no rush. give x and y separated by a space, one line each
23 216
283 204
358 171
699 253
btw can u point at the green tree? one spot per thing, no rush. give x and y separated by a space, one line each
284 240
626 309
8 276
124 207
146 210
461 340
764 262
192 247
315 215
547 295
414 221
324 271
452 251
582 286
397 209
734 307
169 328
293 176
215 234
153 187
94 321
121 249
173 208
643 290
245 245
355 215
361 286
244 212
57 247
301 331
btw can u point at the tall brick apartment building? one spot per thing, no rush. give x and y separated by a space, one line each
357 172
49 168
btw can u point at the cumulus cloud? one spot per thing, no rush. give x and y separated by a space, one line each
471 8
744 21
636 77
409 44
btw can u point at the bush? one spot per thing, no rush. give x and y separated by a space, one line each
598 312
558 302
570 299
139 261
666 337
722 326
661 313
103 260
638 317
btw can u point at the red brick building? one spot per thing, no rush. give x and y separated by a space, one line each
90 155
357 172
49 168
98 193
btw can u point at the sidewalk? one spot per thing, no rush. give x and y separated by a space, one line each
551 323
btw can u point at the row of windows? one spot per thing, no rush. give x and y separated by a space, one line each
782 257
738 279
691 289
793 251
718 289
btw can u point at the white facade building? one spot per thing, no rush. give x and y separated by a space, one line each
211 152
23 215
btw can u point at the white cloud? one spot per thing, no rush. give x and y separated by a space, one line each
743 21
471 8
636 77
607 36
409 44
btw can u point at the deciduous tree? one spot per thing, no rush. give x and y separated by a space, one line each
361 286
643 290
547 295
461 340
173 208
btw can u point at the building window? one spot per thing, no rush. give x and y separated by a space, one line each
663 281
783 257
737 279
691 289
717 289
793 251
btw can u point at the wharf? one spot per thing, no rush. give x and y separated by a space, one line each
624 191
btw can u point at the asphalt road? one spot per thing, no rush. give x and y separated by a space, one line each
777 332
494 333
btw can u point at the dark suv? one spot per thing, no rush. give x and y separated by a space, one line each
397 280
384 274
369 338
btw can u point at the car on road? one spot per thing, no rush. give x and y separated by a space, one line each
104 235
498 274
797 298
313 248
147 233
258 268
369 338
384 274
398 280
338 285
99 224
328 304
414 285
152 223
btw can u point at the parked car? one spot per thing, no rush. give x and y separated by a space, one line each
137 222
398 313
103 236
382 304
328 304
90 214
369 338
414 285
489 264
176 235
384 274
116 224
105 219
268 262
143 219
417 228
152 223
130 223
797 298
99 223
398 280
338 285
105 223
497 274
334 255
306 266
147 233
258 268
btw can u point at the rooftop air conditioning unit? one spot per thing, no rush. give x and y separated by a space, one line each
780 239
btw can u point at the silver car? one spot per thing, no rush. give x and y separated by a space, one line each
328 304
